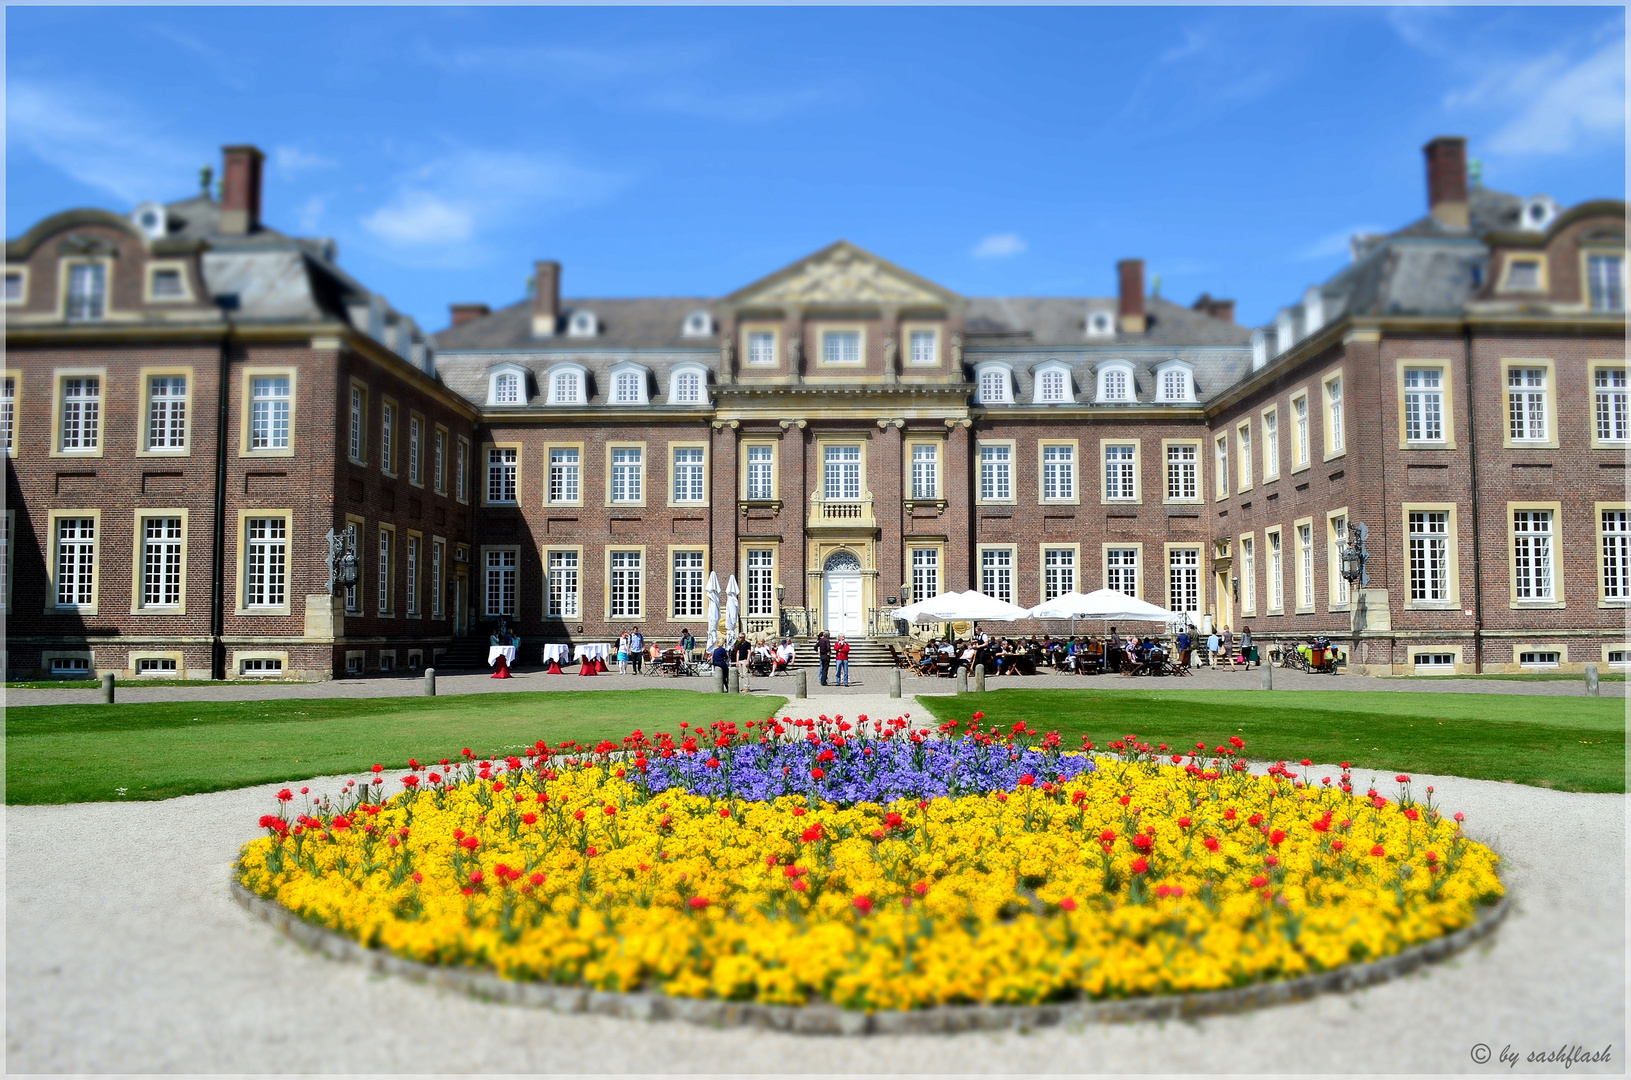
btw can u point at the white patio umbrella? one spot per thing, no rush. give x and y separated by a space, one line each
711 610
973 606
1106 605
733 608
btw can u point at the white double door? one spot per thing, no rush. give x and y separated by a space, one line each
844 604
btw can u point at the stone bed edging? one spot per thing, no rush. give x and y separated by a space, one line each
825 1019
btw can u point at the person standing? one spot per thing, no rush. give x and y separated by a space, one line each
1183 646
740 654
1228 643
1246 645
637 648
841 650
1212 649
722 662
824 653
623 653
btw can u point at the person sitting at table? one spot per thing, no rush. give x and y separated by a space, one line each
784 656
687 642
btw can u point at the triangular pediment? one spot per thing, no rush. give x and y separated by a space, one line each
842 274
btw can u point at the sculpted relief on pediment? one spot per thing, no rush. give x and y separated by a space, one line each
844 277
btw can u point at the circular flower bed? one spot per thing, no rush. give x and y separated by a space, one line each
874 867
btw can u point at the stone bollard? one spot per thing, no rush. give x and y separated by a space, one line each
107 688
894 682
979 678
430 682
1265 681
719 680
1592 688
801 684
736 679
962 680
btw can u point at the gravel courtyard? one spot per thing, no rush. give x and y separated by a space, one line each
126 954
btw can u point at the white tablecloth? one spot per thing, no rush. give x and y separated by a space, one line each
496 651
556 652
599 649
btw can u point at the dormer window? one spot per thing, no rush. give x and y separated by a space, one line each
583 324
507 385
566 385
1523 275
87 291
1052 385
1176 381
1260 349
687 386
16 286
1100 324
1313 312
698 324
993 383
1285 332
1116 382
626 390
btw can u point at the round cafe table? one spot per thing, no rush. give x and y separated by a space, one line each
503 656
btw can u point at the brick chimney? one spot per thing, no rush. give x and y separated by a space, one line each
463 313
1131 273
240 189
1218 309
546 298
1447 180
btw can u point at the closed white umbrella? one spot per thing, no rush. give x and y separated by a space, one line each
733 608
973 606
711 610
1104 604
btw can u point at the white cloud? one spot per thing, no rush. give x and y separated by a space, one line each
292 159
1000 246
1336 243
1572 107
310 214
418 219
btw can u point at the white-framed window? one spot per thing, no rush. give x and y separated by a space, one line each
1338 527
1616 657
167 412
762 347
262 665
1058 572
387 572
566 388
1277 588
1526 403
996 472
1299 410
1184 579
15 289
1429 556
582 324
1120 464
462 467
87 291
1116 384
359 402
1058 474
761 591
563 585
414 441
161 562
1248 575
269 412
841 347
70 666
76 562
997 573
1220 465
413 575
439 464
266 561
1175 385
507 388
1605 277
841 472
502 463
925 573
626 584
1539 658
81 413
761 472
1121 570
501 581
628 474
1616 544
8 414
925 471
438 570
1424 405
923 347
1053 386
1243 454
387 438
687 596
1183 472
156 665
688 474
1271 444
1613 421
1333 414
626 388
1305 560
1532 555
1428 663
688 387
564 474
698 324
994 386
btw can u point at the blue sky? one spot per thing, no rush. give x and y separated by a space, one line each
690 151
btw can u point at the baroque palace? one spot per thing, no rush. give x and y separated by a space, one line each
226 457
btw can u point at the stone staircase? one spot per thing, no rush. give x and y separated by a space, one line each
863 652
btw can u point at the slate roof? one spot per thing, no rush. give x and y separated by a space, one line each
1062 321
625 323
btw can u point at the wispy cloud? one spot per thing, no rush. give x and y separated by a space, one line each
292 159
1576 106
1000 246
98 140
1336 243
310 214
228 67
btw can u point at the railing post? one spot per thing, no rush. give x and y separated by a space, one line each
1265 680
962 680
979 678
736 679
1592 687
801 684
430 682
894 682
107 688
719 680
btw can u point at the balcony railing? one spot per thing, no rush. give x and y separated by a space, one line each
755 625
841 512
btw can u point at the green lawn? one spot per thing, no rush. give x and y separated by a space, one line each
1569 743
96 752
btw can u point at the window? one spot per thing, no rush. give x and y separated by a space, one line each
1248 576
1183 484
438 565
925 471
924 347
1338 528
1333 416
161 562
1175 385
81 413
265 562
1059 474
353 663
1540 658
1221 465
87 291
413 575
625 584
507 389
501 470
1243 451
996 473
997 573
563 474
841 472
501 569
1120 470
688 484
387 438
167 285
415 426
460 463
563 585
1115 384
1526 403
1299 409
761 594
269 413
167 412
688 387
353 592
1612 420
925 573
262 665
1429 556
1277 592
1424 405
628 474
762 347
761 472
626 390
1121 570
70 666
387 573
1523 275
1052 386
1184 579
1271 444
1615 657
8 414
1605 275
841 347
1616 544
1058 572
76 562
439 461
156 665
563 388
1430 662
14 286
687 584
1305 567
993 386
358 412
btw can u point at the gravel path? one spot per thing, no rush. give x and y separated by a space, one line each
126 954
